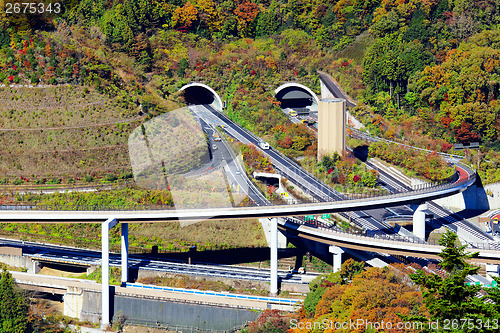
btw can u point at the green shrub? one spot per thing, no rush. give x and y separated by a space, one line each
110 177
89 178
126 175
55 180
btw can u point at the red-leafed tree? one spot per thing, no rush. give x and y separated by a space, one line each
246 13
464 134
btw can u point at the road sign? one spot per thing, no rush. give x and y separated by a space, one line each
309 218
326 216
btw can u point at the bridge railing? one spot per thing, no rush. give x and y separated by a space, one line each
420 189
371 234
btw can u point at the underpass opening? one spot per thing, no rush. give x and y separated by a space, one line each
199 93
62 268
297 97
269 181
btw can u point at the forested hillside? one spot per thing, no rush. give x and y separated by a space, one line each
426 72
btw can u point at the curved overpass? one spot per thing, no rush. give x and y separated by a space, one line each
29 214
389 244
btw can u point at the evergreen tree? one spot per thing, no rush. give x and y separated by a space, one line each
449 299
13 308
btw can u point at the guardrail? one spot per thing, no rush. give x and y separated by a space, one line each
420 189
370 234
275 300
369 137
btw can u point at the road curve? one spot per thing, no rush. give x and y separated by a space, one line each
29 214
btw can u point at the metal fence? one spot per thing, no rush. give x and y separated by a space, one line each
421 189
370 234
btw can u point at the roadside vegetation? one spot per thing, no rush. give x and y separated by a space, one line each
18 313
168 237
395 294
420 163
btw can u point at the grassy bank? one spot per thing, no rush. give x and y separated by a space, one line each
169 237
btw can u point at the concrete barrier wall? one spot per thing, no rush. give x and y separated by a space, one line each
172 314
475 197
15 260
91 306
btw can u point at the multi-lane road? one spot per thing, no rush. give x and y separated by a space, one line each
371 220
310 184
81 257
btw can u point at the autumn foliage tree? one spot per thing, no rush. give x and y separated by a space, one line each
185 16
246 12
375 295
448 297
13 308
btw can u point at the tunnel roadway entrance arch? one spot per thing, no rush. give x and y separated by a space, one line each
199 93
296 96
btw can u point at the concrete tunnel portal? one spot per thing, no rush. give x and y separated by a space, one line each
296 96
199 93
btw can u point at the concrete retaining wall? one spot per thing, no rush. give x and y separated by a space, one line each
475 197
15 260
266 226
173 314
92 306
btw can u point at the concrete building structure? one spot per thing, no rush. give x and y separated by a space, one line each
331 126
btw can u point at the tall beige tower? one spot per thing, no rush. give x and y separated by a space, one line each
331 126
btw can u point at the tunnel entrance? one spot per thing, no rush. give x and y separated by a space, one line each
198 93
294 98
269 181
298 97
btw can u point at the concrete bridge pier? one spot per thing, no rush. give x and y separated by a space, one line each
267 226
124 253
105 227
337 257
419 221
36 267
273 244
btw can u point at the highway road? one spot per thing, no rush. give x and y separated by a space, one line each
292 171
442 216
223 156
82 257
335 88
370 220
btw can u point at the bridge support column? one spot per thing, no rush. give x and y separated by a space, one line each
419 221
273 244
337 257
105 227
124 253
36 267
